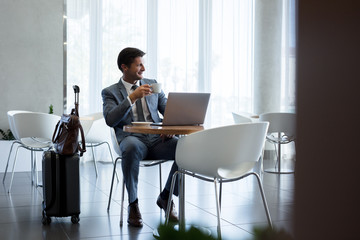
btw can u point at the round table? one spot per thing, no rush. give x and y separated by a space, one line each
167 130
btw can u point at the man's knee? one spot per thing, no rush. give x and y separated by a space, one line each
132 149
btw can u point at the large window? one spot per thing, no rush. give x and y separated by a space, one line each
190 45
288 84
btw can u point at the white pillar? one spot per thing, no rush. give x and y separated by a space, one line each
95 76
267 56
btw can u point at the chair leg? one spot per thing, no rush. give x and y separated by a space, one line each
93 154
264 199
160 177
13 168
220 195
261 158
36 171
122 203
112 159
217 209
170 197
277 168
279 158
112 182
7 164
32 168
261 165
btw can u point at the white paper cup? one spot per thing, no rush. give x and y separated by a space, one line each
156 87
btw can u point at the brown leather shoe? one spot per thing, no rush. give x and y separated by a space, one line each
163 205
134 218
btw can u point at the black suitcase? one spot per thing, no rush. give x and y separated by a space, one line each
61 186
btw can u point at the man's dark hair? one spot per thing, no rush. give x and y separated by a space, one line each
127 56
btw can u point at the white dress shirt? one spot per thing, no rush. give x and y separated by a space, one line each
133 105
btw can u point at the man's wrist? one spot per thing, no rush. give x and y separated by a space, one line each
130 101
132 98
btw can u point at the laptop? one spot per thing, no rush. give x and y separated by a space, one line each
185 109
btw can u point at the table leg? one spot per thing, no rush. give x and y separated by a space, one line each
278 169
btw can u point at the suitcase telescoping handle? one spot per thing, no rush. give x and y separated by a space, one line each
76 91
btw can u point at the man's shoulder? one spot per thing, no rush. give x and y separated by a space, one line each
111 88
148 81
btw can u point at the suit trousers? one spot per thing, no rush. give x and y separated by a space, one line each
137 147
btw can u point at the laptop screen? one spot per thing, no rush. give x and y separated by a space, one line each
186 108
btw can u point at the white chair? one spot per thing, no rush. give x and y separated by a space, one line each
222 154
96 134
34 131
86 123
281 131
144 163
10 115
244 117
241 118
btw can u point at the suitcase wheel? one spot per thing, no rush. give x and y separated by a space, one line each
45 219
75 219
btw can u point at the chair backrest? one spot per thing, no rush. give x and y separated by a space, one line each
223 152
115 142
98 131
10 115
95 116
86 123
280 122
34 124
241 118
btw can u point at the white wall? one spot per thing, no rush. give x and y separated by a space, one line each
31 56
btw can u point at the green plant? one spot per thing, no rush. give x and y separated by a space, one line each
7 135
51 109
269 233
169 232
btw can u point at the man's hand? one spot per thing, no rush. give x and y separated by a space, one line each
140 92
166 136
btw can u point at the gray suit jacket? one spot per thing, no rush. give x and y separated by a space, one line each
117 109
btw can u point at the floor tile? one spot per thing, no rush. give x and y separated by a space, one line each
31 230
241 209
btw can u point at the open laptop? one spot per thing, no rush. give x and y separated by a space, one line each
185 109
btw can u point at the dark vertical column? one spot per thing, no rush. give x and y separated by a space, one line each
327 200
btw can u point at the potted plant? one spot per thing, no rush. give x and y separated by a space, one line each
267 233
7 135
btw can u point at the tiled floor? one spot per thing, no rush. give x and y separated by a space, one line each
242 209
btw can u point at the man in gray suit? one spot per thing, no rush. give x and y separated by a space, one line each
129 100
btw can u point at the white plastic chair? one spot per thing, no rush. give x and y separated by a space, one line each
144 163
34 131
241 118
96 134
10 115
86 123
222 154
244 117
281 131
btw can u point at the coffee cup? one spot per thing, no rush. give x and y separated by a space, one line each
156 87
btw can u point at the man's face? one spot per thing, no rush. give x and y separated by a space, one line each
135 71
